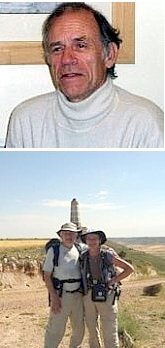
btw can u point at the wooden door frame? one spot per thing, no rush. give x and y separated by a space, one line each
30 52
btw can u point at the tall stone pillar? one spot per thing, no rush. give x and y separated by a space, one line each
75 214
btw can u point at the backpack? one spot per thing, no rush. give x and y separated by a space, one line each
55 244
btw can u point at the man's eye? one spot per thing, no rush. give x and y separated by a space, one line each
81 45
56 49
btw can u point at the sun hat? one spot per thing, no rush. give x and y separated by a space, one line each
87 231
69 226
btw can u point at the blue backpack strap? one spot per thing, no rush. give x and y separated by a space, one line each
55 244
56 251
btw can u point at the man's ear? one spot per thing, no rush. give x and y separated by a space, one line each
60 233
111 55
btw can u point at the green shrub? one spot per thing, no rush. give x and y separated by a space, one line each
129 323
140 259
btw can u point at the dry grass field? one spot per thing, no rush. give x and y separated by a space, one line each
158 250
24 307
21 243
148 312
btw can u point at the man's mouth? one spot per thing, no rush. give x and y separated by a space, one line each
70 76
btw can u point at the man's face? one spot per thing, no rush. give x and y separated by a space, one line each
76 57
68 238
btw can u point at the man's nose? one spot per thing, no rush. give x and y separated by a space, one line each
68 56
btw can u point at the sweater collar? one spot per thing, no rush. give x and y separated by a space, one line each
87 113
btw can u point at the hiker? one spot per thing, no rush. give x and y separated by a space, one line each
100 282
86 109
65 296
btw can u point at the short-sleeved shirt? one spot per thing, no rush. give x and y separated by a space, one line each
68 266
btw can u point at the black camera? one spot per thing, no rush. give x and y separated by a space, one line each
99 293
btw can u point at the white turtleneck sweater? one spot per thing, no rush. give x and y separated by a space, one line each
110 118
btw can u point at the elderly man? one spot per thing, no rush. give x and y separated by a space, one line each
86 110
63 283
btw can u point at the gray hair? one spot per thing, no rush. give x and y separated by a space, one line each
108 34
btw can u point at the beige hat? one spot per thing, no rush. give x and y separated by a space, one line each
92 230
69 226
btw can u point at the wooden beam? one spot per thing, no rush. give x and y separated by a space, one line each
30 52
123 18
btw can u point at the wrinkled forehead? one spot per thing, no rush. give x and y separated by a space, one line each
79 22
68 233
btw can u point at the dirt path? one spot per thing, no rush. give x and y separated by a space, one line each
24 313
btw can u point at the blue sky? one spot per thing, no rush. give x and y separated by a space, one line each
121 192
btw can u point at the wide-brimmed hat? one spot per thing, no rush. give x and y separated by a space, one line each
92 230
69 226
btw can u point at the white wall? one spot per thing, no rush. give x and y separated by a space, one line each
145 78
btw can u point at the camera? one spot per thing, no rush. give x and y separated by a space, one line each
99 293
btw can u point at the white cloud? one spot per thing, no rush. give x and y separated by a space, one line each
100 206
102 194
54 203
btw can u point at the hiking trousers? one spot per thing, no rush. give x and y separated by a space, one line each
72 308
101 316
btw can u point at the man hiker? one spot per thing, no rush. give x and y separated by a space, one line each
63 283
